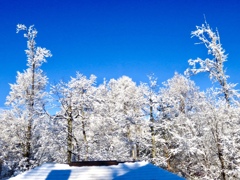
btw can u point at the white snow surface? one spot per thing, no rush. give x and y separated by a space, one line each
138 170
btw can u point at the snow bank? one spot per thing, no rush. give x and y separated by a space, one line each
137 170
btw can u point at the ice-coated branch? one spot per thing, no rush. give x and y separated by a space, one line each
214 66
36 55
21 27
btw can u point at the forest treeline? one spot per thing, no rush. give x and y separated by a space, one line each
175 126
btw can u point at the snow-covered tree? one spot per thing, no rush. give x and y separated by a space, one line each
175 129
25 119
220 136
219 121
149 92
125 104
214 66
103 126
76 99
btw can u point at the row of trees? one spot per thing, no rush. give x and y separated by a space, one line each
194 134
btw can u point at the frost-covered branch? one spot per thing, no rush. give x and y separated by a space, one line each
36 55
214 66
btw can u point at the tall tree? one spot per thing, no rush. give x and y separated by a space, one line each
26 101
215 68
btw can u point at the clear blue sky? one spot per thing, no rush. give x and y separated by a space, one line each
111 38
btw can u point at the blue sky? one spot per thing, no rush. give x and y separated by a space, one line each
111 38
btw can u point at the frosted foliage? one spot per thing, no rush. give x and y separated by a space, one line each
125 102
74 120
21 91
175 126
176 139
21 27
106 118
214 66
125 92
25 121
179 93
36 55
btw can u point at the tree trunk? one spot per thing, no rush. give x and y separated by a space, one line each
220 157
219 151
27 152
1 167
226 92
69 140
85 139
28 148
153 152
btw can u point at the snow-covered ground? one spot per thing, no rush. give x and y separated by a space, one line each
137 170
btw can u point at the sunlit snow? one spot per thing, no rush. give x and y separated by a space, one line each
137 170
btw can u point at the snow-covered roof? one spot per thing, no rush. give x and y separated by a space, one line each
136 170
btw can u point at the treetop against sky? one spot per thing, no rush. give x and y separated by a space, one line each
114 38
